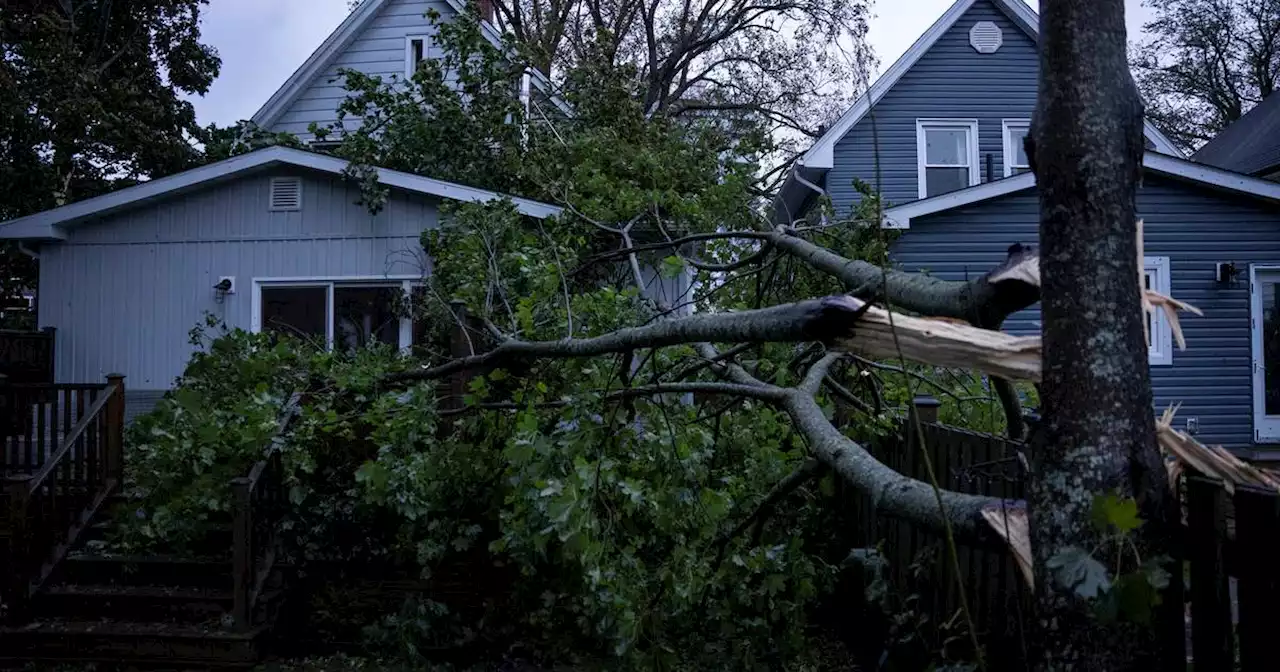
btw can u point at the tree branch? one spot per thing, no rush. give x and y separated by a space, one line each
987 299
903 497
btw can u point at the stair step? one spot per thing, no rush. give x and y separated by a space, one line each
216 541
142 644
142 570
132 603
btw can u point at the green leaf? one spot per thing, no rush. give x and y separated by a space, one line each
1117 512
1074 569
672 267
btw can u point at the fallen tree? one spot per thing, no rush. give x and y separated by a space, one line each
1098 434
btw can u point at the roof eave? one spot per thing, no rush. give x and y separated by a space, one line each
50 224
1171 166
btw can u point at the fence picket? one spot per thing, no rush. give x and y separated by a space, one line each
1211 641
1258 586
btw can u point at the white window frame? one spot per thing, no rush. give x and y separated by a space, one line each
1266 429
1008 126
1160 350
968 125
409 68
406 283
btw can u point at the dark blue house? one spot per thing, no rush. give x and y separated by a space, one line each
940 136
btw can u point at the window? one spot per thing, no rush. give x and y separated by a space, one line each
348 313
1015 152
417 48
1155 275
946 154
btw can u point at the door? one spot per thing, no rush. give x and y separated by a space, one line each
1264 319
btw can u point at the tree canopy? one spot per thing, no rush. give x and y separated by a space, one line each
1204 63
93 100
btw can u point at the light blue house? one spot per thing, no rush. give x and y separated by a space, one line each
269 238
941 134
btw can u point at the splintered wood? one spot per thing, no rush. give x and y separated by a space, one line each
1010 522
1213 461
941 343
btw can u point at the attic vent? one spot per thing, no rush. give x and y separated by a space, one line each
986 37
286 193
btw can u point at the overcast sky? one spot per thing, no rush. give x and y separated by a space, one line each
263 41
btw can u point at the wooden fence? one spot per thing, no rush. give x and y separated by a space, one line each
1233 549
963 461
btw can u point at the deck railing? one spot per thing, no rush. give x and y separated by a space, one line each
35 418
258 501
49 499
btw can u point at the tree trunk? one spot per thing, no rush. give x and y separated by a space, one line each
1098 434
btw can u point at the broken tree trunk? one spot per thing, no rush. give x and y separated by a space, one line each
1098 433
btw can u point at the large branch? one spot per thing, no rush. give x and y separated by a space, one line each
843 322
900 496
985 300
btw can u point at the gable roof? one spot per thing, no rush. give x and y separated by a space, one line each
341 38
821 155
1251 144
52 224
1215 178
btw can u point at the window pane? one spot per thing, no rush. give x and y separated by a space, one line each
297 311
1017 136
1271 347
364 315
942 180
1019 170
946 146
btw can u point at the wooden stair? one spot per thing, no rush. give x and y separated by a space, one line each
140 612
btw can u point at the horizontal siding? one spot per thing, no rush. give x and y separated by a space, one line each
124 292
950 81
1195 228
378 50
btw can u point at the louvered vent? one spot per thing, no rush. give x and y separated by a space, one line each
286 193
986 37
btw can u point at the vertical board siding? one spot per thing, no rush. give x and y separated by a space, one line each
1192 226
950 81
377 50
125 291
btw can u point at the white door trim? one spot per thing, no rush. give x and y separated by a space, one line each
1266 429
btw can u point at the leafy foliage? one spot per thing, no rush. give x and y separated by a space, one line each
1204 63
94 100
1129 595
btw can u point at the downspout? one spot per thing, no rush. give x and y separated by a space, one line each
22 247
819 190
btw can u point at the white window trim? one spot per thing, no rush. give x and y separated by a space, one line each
406 282
1265 429
408 52
969 125
1160 351
1010 151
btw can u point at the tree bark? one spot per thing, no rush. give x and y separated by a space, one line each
1099 433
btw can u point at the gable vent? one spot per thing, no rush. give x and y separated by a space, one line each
286 193
986 37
